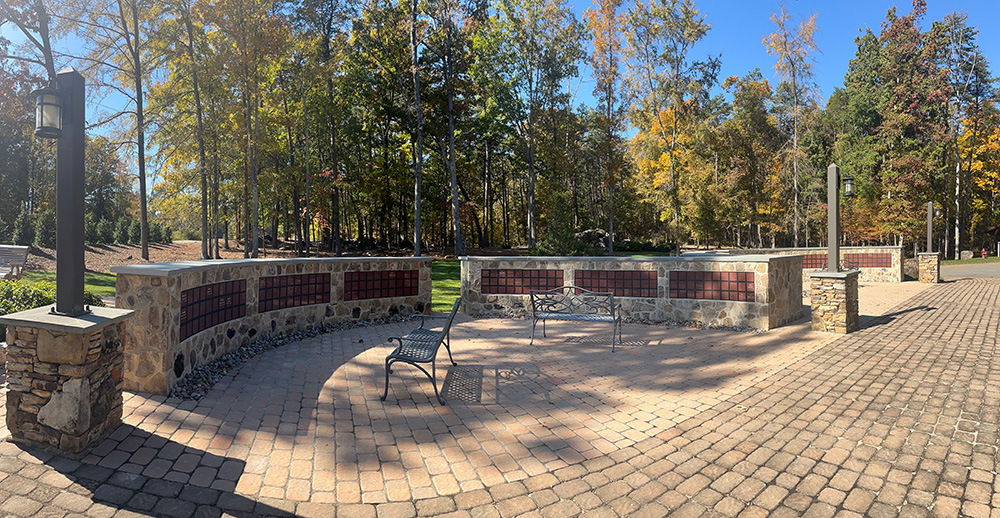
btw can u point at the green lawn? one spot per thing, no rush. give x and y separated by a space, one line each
973 261
447 284
100 284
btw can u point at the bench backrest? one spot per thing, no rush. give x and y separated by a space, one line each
441 335
451 317
572 300
13 255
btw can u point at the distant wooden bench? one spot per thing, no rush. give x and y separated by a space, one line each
576 304
12 261
421 346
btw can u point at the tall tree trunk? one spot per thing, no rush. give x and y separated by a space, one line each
456 206
132 43
215 210
418 153
255 168
305 116
795 160
205 252
297 220
336 245
959 231
504 206
487 197
532 229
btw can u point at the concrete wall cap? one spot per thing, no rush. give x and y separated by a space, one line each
713 258
817 249
173 269
43 318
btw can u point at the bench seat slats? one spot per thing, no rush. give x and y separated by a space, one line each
419 345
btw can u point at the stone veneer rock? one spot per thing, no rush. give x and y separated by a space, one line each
156 355
834 301
929 267
894 273
777 288
64 378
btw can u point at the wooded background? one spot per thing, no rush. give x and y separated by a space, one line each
343 126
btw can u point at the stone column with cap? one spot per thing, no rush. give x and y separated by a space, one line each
929 267
64 377
834 301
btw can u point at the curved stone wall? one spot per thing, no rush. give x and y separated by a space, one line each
759 291
190 313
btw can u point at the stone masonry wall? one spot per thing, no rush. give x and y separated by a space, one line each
929 267
157 356
834 300
776 300
64 391
894 273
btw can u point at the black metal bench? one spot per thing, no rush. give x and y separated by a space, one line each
421 346
577 304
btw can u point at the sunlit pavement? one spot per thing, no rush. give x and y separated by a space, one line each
899 418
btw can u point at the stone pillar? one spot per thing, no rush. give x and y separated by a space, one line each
64 377
834 301
929 267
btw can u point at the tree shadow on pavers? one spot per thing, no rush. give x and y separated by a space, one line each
673 358
323 392
496 384
870 321
606 341
149 476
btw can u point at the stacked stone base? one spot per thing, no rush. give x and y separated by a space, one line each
929 267
834 301
64 387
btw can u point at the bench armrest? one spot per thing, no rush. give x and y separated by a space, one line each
423 318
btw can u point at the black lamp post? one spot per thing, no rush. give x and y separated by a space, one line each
833 213
60 114
932 212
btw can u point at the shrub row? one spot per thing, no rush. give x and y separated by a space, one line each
125 231
41 230
20 296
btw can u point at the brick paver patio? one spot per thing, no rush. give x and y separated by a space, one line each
898 419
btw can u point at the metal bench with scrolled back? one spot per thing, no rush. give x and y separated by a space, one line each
577 304
421 346
12 261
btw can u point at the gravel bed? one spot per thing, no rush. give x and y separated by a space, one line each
199 381
687 324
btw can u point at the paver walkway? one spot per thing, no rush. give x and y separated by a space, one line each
900 418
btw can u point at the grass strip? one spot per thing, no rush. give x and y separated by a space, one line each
447 277
100 284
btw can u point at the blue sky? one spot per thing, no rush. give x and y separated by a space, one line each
739 25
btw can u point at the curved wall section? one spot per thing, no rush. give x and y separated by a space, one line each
759 291
190 313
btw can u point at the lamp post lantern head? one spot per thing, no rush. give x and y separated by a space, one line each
848 186
48 112
937 212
